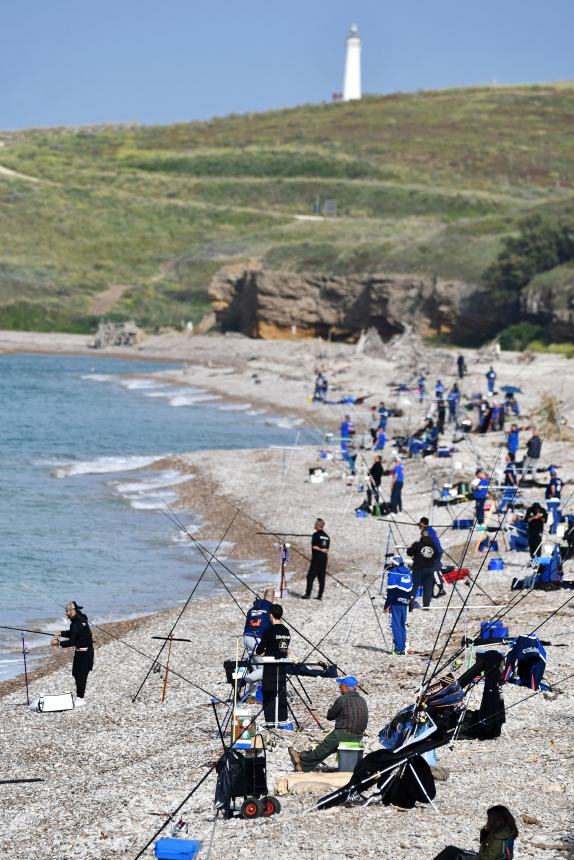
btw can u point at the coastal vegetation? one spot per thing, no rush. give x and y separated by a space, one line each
475 185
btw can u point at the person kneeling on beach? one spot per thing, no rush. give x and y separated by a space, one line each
351 716
79 637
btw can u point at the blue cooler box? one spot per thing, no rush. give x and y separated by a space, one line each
171 848
493 630
462 524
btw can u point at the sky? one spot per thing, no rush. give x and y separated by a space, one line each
74 62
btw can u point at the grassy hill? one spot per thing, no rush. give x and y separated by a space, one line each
428 182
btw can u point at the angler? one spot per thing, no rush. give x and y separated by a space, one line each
79 637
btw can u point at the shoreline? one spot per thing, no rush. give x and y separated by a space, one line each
146 757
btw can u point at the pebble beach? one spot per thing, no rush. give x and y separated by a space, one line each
113 770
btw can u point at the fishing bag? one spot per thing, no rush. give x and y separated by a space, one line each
51 704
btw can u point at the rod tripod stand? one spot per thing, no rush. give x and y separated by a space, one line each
171 639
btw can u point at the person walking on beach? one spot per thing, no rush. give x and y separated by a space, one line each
320 543
79 637
491 380
351 715
480 494
461 366
275 645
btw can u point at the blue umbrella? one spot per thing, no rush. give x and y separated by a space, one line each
511 389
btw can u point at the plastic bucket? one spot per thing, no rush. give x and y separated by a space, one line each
349 755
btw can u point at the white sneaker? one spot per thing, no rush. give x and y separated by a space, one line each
79 703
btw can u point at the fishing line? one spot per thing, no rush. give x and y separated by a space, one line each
187 602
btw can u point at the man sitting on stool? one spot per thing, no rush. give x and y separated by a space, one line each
351 716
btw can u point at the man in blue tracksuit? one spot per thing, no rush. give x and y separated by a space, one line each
257 622
480 495
553 494
491 380
513 439
397 481
399 594
439 390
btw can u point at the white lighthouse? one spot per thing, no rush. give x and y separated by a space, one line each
352 85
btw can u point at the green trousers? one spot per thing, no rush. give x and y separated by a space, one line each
311 758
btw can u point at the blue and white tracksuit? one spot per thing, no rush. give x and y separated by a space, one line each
399 593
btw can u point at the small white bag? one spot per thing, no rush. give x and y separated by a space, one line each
49 704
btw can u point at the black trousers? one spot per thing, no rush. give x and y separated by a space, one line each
274 689
81 668
424 576
317 570
535 543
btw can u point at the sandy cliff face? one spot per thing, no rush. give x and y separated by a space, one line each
267 304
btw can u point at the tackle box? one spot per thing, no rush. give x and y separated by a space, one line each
171 848
493 630
496 564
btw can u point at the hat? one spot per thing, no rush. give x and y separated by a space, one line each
349 681
553 470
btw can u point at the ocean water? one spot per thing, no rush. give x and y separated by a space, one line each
78 516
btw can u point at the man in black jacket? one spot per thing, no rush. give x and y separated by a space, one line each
275 646
424 554
375 475
536 517
533 451
79 637
320 543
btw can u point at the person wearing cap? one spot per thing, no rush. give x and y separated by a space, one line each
553 494
397 482
320 543
78 637
399 595
351 715
480 494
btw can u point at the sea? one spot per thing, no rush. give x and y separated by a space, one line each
81 496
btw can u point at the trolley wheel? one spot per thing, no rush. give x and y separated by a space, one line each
271 806
251 807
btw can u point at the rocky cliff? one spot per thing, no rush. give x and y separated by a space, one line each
275 304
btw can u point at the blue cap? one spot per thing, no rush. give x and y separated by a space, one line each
553 471
349 681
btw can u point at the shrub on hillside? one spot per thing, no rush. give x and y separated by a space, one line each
541 245
519 336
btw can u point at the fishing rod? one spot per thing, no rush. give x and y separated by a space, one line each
509 606
174 519
127 644
187 602
24 630
284 534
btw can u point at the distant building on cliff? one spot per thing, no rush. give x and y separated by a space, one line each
352 84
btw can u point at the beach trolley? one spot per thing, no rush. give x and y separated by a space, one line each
242 775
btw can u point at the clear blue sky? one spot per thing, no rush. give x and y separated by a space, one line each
89 61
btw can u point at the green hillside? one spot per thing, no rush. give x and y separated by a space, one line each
429 182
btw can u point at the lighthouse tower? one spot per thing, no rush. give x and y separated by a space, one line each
352 85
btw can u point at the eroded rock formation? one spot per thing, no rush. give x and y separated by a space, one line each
268 304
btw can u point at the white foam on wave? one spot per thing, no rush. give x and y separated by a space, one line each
172 391
185 400
256 412
141 384
101 465
151 501
235 407
284 423
97 377
169 478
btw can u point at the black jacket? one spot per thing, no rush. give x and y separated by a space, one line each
423 553
79 635
534 447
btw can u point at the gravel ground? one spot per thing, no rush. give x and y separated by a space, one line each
109 767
